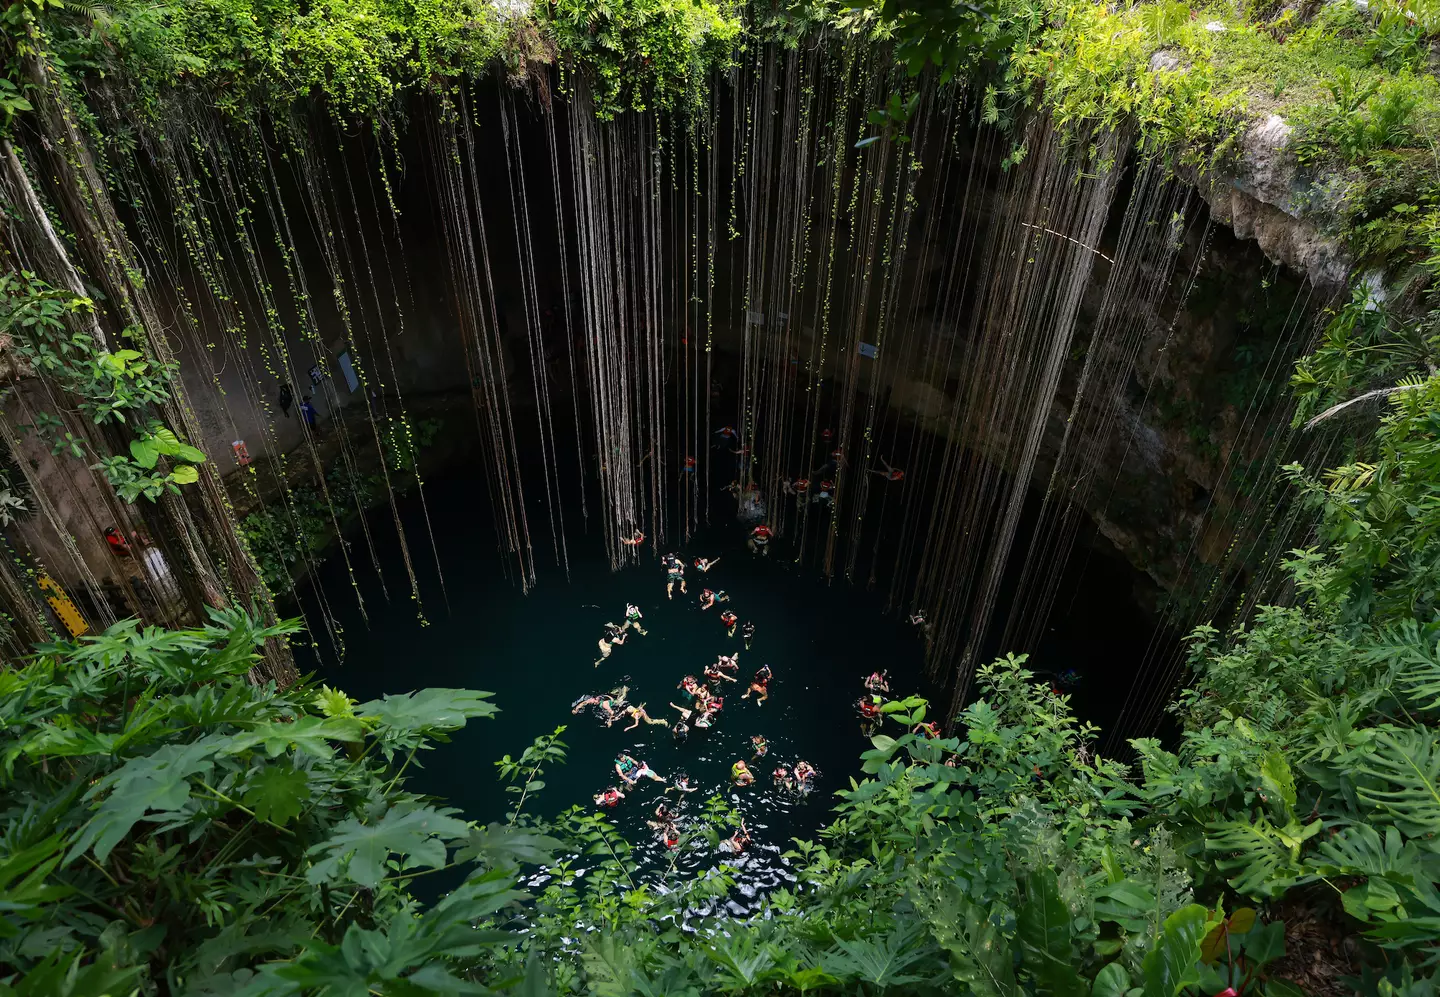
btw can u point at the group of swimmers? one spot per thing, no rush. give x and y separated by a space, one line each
701 703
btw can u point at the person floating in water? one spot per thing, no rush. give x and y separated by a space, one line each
826 494
729 619
748 632
707 598
680 730
729 662
634 540
805 776
631 771
715 673
736 842
870 714
689 467
727 433
759 541
760 685
605 700
614 637
800 487
689 685
674 575
929 731
890 473
609 797
878 681
638 714
633 616
704 564
682 785
783 779
740 773
759 745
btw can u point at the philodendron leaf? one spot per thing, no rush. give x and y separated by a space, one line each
1172 964
1111 981
185 474
277 793
187 452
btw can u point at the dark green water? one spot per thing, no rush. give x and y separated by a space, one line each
536 653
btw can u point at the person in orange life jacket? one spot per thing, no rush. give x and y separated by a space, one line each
729 619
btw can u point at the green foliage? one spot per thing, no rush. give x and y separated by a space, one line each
170 825
109 387
639 54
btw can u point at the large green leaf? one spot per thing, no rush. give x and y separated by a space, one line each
1262 858
1111 981
1404 770
155 784
430 709
277 793
1043 930
1173 963
357 851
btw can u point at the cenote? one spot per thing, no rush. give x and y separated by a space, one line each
1068 368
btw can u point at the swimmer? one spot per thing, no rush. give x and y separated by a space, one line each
704 564
869 707
602 700
714 672
737 841
663 812
729 619
877 681
633 616
634 540
740 773
825 494
702 695
890 473
929 731
707 598
688 685
609 798
759 542
734 488
682 785
727 433
799 487
631 771
674 575
760 685
804 775
614 637
689 467
783 779
685 712
680 731
748 632
760 746
729 662
637 714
